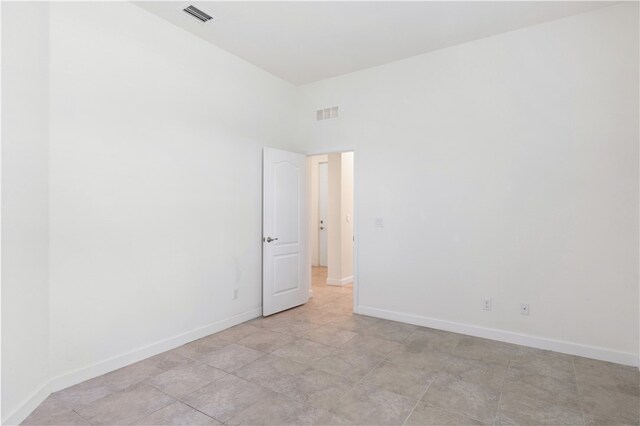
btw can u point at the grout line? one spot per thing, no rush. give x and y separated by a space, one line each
575 376
435 376
495 419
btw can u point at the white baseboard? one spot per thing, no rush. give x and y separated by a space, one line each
570 348
28 406
80 375
343 281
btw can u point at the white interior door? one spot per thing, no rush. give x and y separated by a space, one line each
285 269
323 211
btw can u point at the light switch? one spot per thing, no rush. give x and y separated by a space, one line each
379 222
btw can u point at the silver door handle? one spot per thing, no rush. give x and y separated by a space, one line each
269 239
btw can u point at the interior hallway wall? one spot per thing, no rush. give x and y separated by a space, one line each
507 168
346 216
25 201
156 185
340 225
314 221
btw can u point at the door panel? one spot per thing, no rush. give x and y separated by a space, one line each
285 252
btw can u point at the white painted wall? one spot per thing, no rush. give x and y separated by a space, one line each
156 170
506 168
313 191
340 230
25 201
334 229
346 216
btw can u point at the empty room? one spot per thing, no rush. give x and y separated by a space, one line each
320 213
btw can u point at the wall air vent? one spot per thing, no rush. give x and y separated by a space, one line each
198 14
326 113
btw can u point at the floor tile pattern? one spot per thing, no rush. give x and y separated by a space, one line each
320 364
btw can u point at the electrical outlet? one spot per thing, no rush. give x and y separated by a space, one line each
379 222
524 309
487 304
235 294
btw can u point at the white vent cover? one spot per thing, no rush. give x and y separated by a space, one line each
326 113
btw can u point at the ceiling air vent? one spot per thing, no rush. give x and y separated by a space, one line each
198 14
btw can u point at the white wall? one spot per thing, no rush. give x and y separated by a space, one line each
506 168
334 229
340 223
156 175
25 200
346 216
314 221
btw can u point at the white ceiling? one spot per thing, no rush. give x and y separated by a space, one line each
302 42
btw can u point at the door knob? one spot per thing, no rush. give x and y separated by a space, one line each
322 228
269 239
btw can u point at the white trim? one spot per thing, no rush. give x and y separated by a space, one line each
80 375
340 282
507 336
27 407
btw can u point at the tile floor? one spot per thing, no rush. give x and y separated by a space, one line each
321 364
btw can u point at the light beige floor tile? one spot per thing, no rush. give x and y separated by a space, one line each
84 393
352 364
304 351
125 406
366 405
602 406
87 392
545 388
485 350
318 317
331 419
425 414
238 332
177 414
200 348
266 341
316 388
353 322
232 357
405 381
429 340
168 360
330 336
391 330
546 365
54 412
278 410
184 380
470 399
608 376
227 397
430 362
491 374
292 326
372 343
520 408
269 369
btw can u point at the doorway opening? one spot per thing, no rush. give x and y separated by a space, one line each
331 228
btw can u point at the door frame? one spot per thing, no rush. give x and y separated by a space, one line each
356 222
